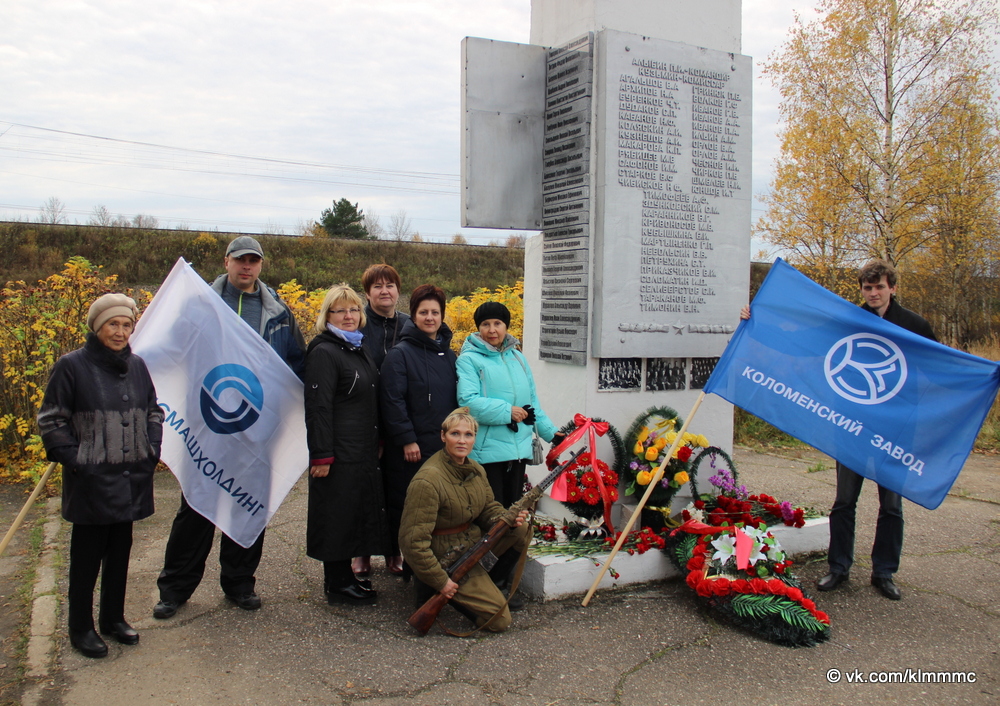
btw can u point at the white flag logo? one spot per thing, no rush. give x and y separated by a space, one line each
234 432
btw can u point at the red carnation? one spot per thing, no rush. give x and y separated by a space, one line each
740 585
795 594
700 504
692 580
695 563
588 480
704 589
573 494
613 494
591 496
720 586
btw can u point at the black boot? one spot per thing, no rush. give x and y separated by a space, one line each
89 643
121 631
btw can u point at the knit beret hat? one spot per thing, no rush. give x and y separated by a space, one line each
492 310
109 306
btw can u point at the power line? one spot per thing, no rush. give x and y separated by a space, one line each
267 160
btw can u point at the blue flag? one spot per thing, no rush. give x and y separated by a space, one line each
894 406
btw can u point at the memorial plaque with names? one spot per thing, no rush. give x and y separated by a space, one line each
566 201
674 179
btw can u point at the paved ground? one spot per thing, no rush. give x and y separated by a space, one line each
643 646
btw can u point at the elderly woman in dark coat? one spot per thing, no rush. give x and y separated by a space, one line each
418 392
100 420
346 516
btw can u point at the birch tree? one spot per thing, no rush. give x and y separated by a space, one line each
868 89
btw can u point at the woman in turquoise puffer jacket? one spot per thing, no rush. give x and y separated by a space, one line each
496 384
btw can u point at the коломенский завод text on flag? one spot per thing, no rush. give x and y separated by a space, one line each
891 405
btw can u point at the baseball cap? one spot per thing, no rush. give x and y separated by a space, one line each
244 245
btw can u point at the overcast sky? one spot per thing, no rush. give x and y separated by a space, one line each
154 107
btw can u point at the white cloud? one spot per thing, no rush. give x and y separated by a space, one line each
337 82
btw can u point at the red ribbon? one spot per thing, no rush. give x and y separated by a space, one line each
559 487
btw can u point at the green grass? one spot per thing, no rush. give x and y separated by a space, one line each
142 258
20 602
752 431
989 435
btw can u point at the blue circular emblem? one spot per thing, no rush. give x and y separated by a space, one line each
231 398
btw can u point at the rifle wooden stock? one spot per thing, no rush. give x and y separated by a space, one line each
423 618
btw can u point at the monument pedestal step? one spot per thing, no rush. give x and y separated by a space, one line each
552 577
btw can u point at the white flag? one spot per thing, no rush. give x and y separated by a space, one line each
234 432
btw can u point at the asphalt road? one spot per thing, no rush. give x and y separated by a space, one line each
640 646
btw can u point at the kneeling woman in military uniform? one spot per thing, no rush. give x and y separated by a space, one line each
449 506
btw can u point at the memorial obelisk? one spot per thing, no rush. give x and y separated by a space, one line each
622 132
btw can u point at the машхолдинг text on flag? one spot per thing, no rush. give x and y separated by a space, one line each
234 433
897 408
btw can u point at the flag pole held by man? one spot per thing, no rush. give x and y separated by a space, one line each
877 393
226 360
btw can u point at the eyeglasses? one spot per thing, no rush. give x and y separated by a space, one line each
340 312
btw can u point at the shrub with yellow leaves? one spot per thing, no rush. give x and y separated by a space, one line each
458 313
304 305
38 324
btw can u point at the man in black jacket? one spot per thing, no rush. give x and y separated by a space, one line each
878 287
192 534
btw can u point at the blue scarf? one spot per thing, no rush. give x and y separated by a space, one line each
352 337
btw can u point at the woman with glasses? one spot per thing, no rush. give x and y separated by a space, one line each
346 516
418 392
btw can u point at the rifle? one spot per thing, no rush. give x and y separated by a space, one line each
423 618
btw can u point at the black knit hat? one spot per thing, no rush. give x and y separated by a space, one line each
492 310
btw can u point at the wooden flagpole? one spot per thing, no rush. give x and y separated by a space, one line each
27 506
657 475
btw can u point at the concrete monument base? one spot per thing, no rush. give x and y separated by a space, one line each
552 577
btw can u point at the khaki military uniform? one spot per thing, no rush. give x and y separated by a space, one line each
448 509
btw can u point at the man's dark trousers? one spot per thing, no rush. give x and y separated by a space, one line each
187 550
888 531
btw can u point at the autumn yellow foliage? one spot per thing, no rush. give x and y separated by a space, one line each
458 313
38 324
304 305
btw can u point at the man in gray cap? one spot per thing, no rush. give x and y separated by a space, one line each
192 534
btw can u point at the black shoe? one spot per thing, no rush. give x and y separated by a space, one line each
887 588
166 609
122 632
246 601
89 644
515 603
831 581
353 594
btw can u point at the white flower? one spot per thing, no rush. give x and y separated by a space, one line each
759 535
695 513
725 548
